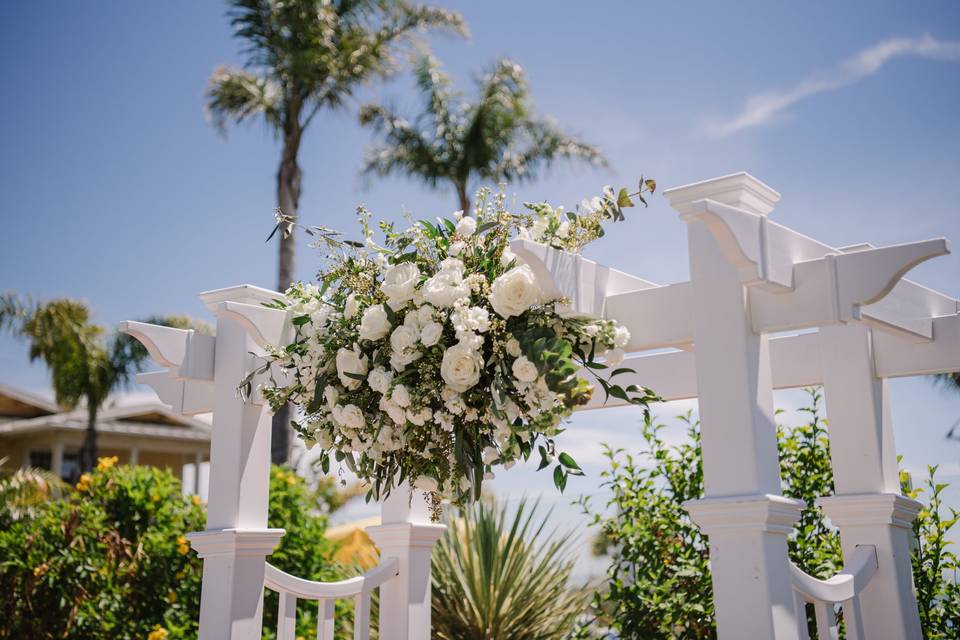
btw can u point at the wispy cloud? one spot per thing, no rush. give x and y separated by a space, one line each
762 108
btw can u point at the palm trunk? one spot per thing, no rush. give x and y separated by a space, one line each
88 450
463 197
288 199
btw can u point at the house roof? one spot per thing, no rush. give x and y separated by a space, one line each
150 419
16 404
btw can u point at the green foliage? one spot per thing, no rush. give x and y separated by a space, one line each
496 137
658 582
503 576
108 561
935 565
111 560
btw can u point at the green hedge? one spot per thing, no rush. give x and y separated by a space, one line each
110 560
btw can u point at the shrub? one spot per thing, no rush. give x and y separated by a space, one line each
110 559
658 581
503 576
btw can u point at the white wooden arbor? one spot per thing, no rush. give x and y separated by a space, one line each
863 323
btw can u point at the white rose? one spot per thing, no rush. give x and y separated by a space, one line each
351 306
457 248
400 396
614 357
513 347
400 281
621 337
467 226
446 287
331 395
425 314
514 292
374 324
452 264
425 483
396 413
507 257
461 367
350 362
524 370
403 339
351 417
431 333
419 418
563 229
379 379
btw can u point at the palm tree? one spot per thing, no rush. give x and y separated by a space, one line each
497 138
504 576
303 56
85 364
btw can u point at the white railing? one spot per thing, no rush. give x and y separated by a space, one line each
842 589
291 588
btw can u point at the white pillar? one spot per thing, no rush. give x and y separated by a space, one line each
56 459
868 507
743 515
197 461
406 534
237 540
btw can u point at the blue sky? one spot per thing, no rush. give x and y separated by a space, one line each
114 188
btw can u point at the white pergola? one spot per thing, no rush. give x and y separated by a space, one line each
861 323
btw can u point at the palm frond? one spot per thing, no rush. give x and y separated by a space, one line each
235 96
406 150
24 490
497 137
500 575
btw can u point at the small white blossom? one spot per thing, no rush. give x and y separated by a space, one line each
351 306
467 226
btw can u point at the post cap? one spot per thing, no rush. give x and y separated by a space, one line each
739 190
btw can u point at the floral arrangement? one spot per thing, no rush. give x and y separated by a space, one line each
434 358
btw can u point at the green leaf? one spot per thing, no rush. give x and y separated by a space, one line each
559 478
567 461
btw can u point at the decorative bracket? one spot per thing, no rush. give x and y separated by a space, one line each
744 239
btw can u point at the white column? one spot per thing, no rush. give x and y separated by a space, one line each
868 507
197 461
406 534
237 540
743 515
56 459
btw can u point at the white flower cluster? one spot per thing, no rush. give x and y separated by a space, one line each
435 357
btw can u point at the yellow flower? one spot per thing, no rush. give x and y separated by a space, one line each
291 480
158 633
84 483
105 463
171 598
196 500
154 498
183 545
180 575
39 570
